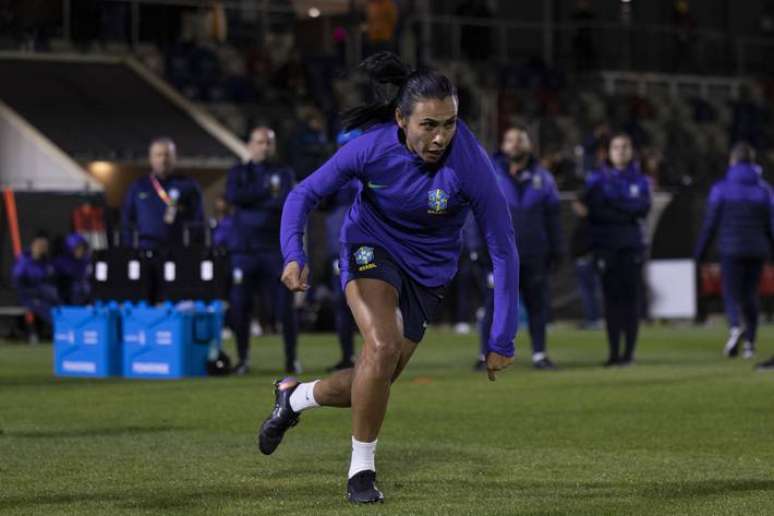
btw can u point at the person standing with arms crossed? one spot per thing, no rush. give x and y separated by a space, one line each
257 190
421 171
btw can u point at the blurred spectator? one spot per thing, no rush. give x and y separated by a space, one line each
73 271
475 40
584 51
684 25
223 223
747 120
160 206
308 145
595 146
381 21
585 269
34 279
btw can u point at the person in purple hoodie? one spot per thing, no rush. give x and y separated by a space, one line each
739 212
34 279
533 199
421 171
617 197
73 270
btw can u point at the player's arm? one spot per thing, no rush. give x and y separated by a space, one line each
494 221
636 206
328 179
710 225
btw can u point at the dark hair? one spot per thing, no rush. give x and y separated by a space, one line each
395 85
743 152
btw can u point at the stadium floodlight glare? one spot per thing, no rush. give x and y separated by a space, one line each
314 12
626 1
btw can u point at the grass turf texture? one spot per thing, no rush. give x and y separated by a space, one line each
685 431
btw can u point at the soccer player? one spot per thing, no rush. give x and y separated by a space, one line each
533 200
739 211
617 197
421 170
257 189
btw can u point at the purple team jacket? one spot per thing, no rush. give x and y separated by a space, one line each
416 212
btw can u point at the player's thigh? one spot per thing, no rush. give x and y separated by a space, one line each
374 306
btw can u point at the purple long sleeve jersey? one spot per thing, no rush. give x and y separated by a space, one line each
416 212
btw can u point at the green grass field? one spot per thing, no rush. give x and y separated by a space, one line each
685 431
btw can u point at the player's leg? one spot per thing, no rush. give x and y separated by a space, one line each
630 287
241 308
608 272
731 307
753 268
533 286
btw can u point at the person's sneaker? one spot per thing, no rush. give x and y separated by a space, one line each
731 349
361 488
611 362
241 369
293 367
749 350
480 365
766 366
544 364
281 419
341 365
625 362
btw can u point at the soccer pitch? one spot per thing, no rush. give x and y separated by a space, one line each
684 431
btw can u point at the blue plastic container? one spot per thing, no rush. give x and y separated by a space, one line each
87 341
169 341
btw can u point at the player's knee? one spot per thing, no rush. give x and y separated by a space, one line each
383 356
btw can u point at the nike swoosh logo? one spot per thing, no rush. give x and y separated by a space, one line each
375 186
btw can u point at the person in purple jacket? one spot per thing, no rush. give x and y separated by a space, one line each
73 270
421 171
739 211
617 197
533 199
34 279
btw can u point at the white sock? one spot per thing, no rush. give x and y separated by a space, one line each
362 457
537 357
303 397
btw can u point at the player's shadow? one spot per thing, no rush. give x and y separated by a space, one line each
91 432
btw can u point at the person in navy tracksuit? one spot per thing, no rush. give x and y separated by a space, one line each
257 190
34 279
158 207
617 198
337 206
73 270
533 200
739 212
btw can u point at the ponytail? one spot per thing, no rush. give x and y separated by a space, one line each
394 86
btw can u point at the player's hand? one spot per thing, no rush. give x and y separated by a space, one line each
295 278
496 362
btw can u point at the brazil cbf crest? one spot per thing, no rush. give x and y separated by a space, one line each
437 201
364 258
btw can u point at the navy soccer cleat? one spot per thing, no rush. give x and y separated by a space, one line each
361 488
281 419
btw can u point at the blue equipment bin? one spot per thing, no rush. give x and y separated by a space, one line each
87 341
169 342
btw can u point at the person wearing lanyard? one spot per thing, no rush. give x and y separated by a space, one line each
160 206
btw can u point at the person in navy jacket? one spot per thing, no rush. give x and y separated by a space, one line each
159 206
34 279
739 212
533 200
337 206
618 199
257 189
73 270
